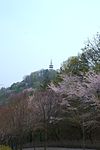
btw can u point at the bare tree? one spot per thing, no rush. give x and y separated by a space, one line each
4 121
19 122
46 105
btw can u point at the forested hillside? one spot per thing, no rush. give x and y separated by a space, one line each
35 81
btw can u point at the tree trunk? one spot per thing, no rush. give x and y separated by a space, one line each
45 135
33 143
20 143
90 137
83 139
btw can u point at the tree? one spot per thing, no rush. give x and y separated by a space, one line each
75 65
4 121
40 79
91 52
19 121
46 105
80 100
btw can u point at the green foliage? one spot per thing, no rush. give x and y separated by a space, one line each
3 147
75 65
58 79
4 93
40 79
96 68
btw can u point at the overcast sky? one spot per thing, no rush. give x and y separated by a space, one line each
32 32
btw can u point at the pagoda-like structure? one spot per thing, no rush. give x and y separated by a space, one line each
51 65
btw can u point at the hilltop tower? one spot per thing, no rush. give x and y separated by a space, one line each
51 65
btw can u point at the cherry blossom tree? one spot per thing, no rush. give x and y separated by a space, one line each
81 99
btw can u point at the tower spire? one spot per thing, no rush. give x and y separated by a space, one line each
51 65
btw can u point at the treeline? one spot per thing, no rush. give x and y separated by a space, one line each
64 109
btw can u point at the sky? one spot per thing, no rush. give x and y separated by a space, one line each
32 32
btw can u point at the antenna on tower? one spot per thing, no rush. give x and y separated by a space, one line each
51 65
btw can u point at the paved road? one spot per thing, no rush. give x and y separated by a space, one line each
56 148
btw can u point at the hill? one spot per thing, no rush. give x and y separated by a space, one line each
36 80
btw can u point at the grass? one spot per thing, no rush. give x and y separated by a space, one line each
3 147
